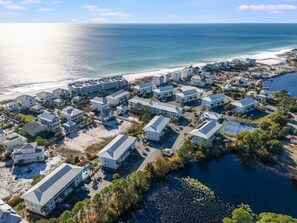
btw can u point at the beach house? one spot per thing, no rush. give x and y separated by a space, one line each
117 151
165 92
61 93
158 79
187 72
187 96
25 101
99 103
155 129
212 116
207 131
196 80
46 195
176 76
73 114
45 97
28 153
12 141
214 100
145 88
7 214
117 98
245 105
51 121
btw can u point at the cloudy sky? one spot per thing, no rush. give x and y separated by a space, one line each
149 11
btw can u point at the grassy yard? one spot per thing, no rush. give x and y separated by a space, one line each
262 119
27 117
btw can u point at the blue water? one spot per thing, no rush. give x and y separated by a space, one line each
286 82
232 183
53 53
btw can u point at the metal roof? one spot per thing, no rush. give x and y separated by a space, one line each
47 116
207 129
215 97
245 102
157 124
99 100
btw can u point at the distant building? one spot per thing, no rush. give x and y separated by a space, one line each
69 127
37 109
25 101
98 104
121 109
46 195
245 105
45 97
188 96
155 129
212 116
187 72
207 131
7 214
145 88
34 128
51 121
61 93
106 115
13 140
73 114
165 92
160 79
117 151
176 76
118 97
214 100
28 153
58 102
196 80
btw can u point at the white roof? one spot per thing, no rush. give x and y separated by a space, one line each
52 184
118 94
47 116
157 124
165 89
245 102
71 111
212 115
144 85
207 129
214 97
117 147
188 93
99 100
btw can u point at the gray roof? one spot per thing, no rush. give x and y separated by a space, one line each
207 129
117 147
143 101
10 215
72 111
118 94
245 102
47 116
25 97
166 88
19 150
215 97
189 92
44 94
144 85
212 115
157 124
31 126
99 100
52 184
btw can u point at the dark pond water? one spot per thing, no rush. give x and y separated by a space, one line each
232 182
284 82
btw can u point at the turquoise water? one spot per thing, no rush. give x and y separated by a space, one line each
51 54
286 82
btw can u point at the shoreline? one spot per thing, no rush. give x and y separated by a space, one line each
268 57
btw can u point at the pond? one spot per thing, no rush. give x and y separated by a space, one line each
233 184
284 82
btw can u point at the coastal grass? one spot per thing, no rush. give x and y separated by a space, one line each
260 120
27 117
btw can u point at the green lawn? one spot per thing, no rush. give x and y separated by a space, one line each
262 119
27 117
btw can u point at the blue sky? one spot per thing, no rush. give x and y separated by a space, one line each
149 11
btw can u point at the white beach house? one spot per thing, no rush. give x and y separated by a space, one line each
46 195
45 97
214 100
207 130
212 116
73 114
245 105
196 80
61 93
99 103
145 88
51 121
187 96
12 141
187 72
28 153
25 101
176 76
155 129
117 151
118 97
165 92
7 214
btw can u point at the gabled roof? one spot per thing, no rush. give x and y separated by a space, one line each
188 93
207 129
144 85
157 124
69 123
245 102
118 94
117 147
52 184
47 116
212 115
164 89
215 97
99 100
71 111
25 97
167 107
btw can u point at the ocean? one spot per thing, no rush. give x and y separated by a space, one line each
34 57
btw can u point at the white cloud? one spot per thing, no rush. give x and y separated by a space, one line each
54 3
14 7
173 16
98 20
280 7
46 9
90 7
116 14
8 14
26 2
106 12
6 2
276 12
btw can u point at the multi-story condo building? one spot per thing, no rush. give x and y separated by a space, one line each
188 96
145 88
207 131
160 79
187 72
61 93
45 97
165 92
245 105
25 101
168 110
28 153
73 114
46 195
51 121
12 141
214 100
176 76
155 129
117 151
118 97
98 104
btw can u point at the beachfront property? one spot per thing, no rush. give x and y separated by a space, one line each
69 127
212 116
25 101
145 88
165 92
73 114
155 129
45 97
166 109
99 103
187 72
11 106
12 141
37 109
187 96
51 121
214 100
206 131
43 197
61 93
118 97
97 85
176 76
58 103
34 128
196 80
7 214
28 153
245 105
117 151
160 79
